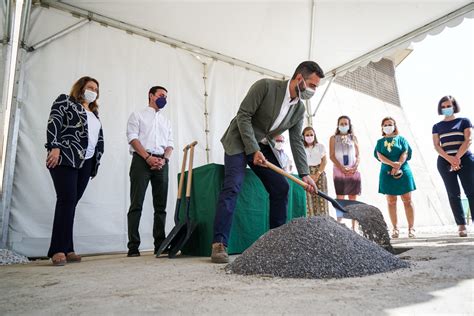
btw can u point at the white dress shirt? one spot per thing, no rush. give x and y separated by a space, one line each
315 153
152 129
285 108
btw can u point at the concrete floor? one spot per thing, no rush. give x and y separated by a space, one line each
440 281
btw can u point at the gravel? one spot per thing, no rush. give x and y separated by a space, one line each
371 223
10 257
315 248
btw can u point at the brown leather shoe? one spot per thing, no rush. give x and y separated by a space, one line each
58 259
71 257
219 253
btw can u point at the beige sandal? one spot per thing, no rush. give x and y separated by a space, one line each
463 233
72 257
59 259
395 233
411 233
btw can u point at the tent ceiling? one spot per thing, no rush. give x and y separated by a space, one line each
275 34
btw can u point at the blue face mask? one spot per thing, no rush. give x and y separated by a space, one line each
160 102
447 111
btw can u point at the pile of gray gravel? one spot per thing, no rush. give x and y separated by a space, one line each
314 248
10 257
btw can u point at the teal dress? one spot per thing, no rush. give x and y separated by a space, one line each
393 148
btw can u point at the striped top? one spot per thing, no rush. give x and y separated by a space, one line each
451 133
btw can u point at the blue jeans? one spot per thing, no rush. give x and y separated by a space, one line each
450 178
234 173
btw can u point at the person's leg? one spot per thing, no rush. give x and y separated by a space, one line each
451 183
340 197
139 177
392 212
353 198
234 173
65 184
409 212
159 187
277 187
466 175
83 176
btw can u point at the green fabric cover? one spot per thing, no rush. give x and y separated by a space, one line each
251 217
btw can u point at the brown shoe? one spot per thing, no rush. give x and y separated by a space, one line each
58 259
219 253
72 257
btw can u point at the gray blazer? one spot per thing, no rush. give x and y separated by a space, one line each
257 113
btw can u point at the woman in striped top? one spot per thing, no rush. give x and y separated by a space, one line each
452 138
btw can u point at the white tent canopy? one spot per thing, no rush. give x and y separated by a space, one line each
131 45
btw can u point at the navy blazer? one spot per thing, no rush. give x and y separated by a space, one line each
67 130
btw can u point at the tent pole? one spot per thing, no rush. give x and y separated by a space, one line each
324 94
12 116
309 117
206 113
59 34
154 36
403 39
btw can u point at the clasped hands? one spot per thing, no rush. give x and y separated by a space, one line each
155 163
455 163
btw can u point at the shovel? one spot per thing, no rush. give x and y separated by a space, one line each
188 227
172 235
334 203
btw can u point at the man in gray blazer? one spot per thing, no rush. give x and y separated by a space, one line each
269 108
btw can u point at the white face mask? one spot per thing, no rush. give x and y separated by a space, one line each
389 129
90 96
309 139
278 146
343 129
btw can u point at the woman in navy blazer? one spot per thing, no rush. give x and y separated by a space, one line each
75 145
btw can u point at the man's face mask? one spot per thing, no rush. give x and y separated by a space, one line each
160 102
304 92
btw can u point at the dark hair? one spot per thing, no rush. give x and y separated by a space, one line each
77 92
307 68
395 131
350 124
154 89
453 101
309 128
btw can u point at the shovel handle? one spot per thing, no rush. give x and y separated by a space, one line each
183 167
190 169
304 185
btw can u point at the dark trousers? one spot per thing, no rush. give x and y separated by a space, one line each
234 173
140 175
69 184
450 178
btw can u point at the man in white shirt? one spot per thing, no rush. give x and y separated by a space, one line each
285 161
150 137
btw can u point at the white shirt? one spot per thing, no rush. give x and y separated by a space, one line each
93 128
285 108
315 153
152 129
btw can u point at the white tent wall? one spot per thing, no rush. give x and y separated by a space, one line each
126 67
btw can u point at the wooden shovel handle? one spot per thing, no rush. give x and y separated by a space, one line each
304 185
183 167
190 169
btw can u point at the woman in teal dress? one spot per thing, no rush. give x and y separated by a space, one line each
395 179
